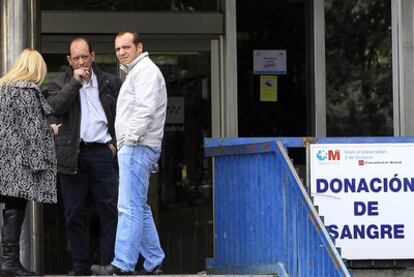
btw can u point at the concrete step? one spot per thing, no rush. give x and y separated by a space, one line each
356 273
383 272
183 275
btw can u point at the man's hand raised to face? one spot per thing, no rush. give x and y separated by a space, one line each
82 73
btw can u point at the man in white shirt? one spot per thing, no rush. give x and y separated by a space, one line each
139 127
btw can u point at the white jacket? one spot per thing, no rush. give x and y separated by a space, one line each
141 105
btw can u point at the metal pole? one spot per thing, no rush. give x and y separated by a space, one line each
20 29
319 71
230 51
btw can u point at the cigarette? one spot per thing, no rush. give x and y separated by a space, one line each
59 125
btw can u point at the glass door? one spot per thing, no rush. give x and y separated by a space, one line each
181 192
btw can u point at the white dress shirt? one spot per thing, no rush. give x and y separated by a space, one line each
94 124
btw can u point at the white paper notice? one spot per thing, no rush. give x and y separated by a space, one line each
269 62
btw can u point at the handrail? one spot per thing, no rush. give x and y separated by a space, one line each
326 239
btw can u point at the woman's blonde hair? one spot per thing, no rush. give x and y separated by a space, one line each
29 66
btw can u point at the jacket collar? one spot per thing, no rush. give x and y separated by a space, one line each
93 82
127 68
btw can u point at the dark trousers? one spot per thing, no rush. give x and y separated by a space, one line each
97 176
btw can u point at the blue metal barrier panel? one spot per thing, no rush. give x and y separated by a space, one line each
264 219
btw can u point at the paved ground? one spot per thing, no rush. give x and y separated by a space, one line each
356 273
198 275
384 273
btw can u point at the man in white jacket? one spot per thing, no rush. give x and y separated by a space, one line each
139 127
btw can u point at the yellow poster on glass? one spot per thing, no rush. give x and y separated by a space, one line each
268 88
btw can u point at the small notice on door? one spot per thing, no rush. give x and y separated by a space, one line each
268 88
271 62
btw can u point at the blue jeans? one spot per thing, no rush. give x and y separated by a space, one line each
136 233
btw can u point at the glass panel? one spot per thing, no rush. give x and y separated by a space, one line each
183 167
128 5
273 25
185 184
181 193
358 68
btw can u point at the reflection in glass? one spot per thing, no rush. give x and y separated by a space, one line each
358 68
184 172
184 180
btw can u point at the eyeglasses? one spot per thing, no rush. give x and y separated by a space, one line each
77 58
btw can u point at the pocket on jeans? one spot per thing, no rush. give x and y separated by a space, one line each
125 150
152 149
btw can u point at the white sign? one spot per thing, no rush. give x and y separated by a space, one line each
269 62
365 192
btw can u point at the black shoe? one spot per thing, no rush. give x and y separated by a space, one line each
156 271
17 270
79 271
108 270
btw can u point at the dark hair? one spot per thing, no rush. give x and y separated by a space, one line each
136 38
85 40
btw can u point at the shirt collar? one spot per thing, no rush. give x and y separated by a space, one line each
92 82
128 67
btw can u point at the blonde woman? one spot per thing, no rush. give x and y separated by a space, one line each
28 159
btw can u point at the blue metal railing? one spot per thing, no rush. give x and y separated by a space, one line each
264 221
